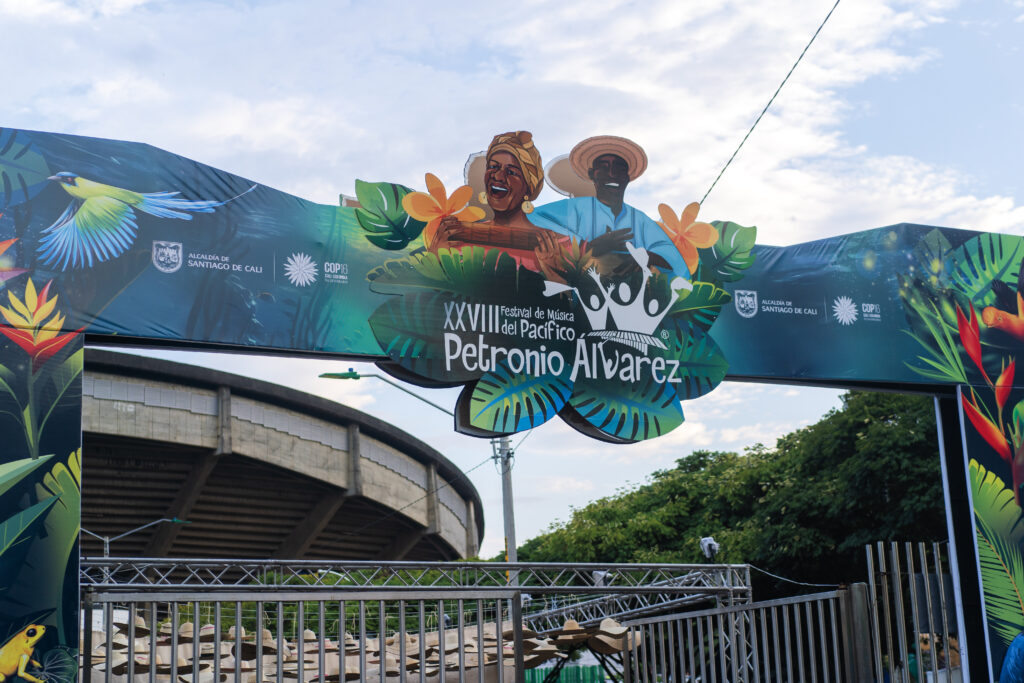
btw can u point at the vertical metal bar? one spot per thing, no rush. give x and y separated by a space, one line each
700 636
929 607
753 620
300 615
382 647
764 644
342 645
744 622
806 637
152 642
481 648
259 641
887 587
873 610
937 554
798 633
216 641
823 648
691 659
281 645
238 641
362 641
87 638
785 639
108 632
131 641
897 582
174 640
422 638
672 649
402 654
501 640
721 650
777 649
835 639
712 655
321 645
629 673
914 616
652 655
460 605
662 663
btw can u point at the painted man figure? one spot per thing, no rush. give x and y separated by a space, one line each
611 163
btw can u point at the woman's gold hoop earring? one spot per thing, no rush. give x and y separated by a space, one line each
527 206
482 197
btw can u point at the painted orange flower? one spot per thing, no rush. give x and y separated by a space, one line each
30 330
434 204
686 233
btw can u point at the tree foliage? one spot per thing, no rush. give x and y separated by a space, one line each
866 472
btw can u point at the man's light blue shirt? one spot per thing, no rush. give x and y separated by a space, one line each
585 218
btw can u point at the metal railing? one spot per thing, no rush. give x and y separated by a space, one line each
913 612
819 637
414 606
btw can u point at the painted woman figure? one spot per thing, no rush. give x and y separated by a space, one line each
512 175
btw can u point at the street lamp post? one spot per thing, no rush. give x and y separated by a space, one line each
107 539
503 455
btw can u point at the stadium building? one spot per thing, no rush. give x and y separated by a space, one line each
258 471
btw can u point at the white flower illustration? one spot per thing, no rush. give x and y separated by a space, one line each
844 310
300 270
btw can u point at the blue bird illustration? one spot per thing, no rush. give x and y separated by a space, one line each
99 224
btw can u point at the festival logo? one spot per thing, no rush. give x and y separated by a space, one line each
537 315
167 256
300 270
746 302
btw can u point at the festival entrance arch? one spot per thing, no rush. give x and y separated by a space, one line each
606 324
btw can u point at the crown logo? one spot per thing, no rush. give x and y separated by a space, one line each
634 321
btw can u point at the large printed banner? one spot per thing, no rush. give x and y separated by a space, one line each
584 308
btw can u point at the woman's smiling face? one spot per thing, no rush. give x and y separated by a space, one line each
505 182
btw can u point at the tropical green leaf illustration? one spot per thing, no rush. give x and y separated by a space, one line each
982 260
23 170
381 215
13 529
49 557
13 472
702 304
61 377
1000 532
459 271
504 402
943 362
628 411
732 254
702 365
407 327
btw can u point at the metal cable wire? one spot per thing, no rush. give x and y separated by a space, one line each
763 111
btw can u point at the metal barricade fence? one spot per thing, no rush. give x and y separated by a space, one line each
810 638
913 613
213 621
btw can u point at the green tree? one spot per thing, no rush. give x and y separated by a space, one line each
865 472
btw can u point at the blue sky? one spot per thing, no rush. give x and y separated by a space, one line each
900 112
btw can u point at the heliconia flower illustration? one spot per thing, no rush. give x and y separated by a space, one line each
434 204
990 432
7 273
686 233
1004 384
970 337
30 330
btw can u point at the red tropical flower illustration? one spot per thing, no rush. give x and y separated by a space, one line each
970 337
30 329
992 434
